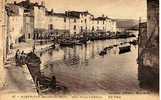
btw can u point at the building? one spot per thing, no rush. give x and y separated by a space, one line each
35 21
72 21
57 22
113 26
14 22
103 24
39 15
20 22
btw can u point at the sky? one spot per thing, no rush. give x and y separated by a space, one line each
123 9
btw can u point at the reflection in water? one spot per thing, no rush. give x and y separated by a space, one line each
82 69
71 57
65 53
93 50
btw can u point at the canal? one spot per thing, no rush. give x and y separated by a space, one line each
82 70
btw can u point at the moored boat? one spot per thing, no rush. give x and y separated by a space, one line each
134 42
124 49
103 52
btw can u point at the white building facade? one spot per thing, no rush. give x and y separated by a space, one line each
15 22
35 16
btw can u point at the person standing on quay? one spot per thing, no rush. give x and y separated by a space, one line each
17 57
23 57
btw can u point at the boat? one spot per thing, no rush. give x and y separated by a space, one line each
83 41
49 85
52 46
134 42
108 48
124 49
78 43
103 52
66 43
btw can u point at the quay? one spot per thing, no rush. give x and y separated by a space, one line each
17 79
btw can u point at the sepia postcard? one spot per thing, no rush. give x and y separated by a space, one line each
79 50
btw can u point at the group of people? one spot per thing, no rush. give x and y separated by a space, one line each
20 57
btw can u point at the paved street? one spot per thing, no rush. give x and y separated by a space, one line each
18 79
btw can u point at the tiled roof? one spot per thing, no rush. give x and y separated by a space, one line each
71 14
59 14
76 14
28 5
100 18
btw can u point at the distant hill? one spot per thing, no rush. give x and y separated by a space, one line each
126 23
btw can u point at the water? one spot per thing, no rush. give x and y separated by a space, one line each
82 69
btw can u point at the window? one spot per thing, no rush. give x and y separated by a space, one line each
81 29
29 35
85 20
81 21
92 28
103 22
64 19
50 26
74 27
74 20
